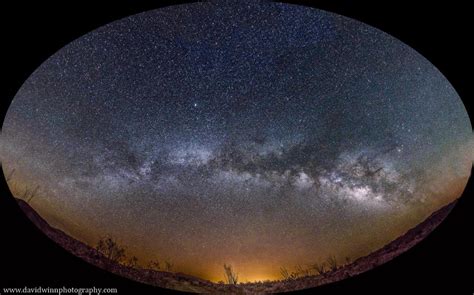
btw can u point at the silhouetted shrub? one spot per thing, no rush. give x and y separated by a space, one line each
154 265
230 275
332 262
284 273
168 266
132 262
348 260
319 268
10 175
111 250
302 272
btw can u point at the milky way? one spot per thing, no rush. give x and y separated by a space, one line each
257 134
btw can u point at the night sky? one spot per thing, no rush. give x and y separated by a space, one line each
257 134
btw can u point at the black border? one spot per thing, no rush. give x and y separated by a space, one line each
30 32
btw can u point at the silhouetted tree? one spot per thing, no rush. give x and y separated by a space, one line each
230 275
111 250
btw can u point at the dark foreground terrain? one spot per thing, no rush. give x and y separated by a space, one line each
179 281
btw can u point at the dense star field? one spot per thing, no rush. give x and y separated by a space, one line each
255 134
